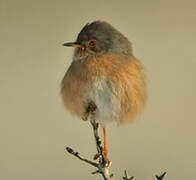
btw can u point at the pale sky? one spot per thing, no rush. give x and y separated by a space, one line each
35 128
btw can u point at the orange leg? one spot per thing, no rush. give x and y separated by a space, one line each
105 151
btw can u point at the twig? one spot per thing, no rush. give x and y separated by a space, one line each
127 177
97 165
97 139
76 154
102 166
161 176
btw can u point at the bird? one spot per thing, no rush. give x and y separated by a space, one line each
104 78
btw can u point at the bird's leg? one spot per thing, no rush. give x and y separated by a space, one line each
105 151
104 144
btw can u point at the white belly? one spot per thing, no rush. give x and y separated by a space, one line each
102 93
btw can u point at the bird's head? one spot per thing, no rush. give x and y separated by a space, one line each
99 38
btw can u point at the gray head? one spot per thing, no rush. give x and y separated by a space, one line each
98 38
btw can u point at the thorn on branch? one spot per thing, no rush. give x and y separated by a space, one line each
161 176
96 172
126 176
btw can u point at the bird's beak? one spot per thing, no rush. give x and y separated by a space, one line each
72 44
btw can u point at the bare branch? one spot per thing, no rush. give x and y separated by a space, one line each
100 169
76 154
102 166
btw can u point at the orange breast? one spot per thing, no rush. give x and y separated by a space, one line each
125 78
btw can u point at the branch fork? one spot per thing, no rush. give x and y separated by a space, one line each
102 166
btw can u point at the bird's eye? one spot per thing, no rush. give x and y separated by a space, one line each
91 43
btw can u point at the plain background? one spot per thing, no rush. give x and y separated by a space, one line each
35 128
